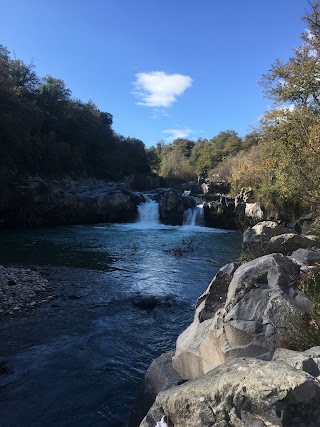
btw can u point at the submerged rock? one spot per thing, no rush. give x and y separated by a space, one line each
144 302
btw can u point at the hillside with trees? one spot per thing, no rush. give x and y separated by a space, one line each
46 132
185 159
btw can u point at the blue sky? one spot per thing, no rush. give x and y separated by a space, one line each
162 68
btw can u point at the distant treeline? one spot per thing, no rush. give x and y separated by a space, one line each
185 159
44 131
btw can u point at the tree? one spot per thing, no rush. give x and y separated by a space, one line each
290 131
153 159
175 167
184 146
297 82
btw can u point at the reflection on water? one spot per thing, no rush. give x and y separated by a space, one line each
80 362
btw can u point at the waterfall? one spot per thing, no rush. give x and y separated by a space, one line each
194 216
148 211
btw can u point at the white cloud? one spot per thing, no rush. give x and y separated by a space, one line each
176 133
158 89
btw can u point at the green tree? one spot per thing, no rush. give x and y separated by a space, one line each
153 159
290 131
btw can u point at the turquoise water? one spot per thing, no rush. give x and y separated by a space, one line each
80 360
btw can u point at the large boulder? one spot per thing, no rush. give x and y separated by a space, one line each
306 257
171 206
257 238
290 242
215 295
253 213
233 213
261 295
160 376
268 237
215 187
221 214
241 393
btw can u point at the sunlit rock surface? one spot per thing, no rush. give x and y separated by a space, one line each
242 392
260 296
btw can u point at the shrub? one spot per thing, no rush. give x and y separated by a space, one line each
304 330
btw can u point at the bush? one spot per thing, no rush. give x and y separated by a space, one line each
304 331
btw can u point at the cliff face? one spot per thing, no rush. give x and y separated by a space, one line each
39 202
229 357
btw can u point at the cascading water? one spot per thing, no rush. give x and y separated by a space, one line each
148 211
194 216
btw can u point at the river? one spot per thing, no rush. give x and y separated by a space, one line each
79 361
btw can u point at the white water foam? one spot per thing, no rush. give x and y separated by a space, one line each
194 216
148 212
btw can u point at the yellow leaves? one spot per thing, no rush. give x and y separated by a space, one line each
291 153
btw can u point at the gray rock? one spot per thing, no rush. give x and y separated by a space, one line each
254 212
261 296
306 257
215 295
242 392
68 202
290 242
304 361
256 239
160 376
222 213
171 206
268 237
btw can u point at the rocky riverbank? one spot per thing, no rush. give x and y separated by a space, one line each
22 289
230 359
39 202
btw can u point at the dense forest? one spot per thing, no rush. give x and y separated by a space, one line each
44 131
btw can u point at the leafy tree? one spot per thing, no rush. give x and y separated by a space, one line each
153 159
176 168
184 146
290 131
